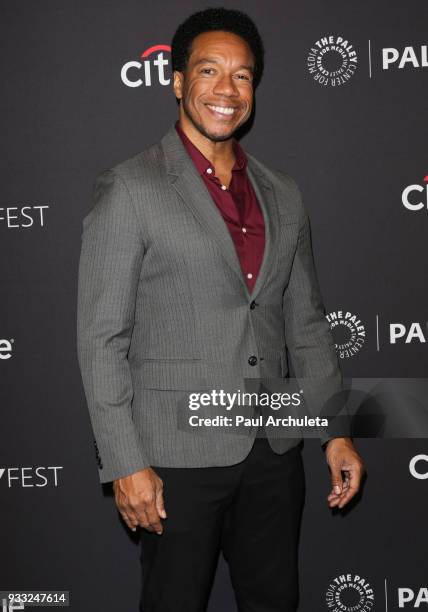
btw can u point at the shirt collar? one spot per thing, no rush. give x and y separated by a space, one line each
202 163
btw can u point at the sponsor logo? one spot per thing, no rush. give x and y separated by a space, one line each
6 348
409 57
332 60
411 196
418 467
25 216
24 477
408 598
154 68
350 593
348 331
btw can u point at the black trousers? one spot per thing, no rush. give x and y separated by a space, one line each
250 511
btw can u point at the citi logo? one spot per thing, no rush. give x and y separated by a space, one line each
153 69
24 477
412 196
6 348
409 57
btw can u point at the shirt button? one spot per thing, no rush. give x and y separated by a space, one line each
224 187
209 170
253 305
249 275
244 229
252 360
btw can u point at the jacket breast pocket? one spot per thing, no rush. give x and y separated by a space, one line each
174 374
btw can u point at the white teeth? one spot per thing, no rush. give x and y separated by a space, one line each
224 110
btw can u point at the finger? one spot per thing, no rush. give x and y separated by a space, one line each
333 496
130 520
334 501
348 496
154 518
140 508
336 480
346 483
144 521
354 486
342 499
125 510
160 504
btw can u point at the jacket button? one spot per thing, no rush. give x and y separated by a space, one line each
252 360
253 305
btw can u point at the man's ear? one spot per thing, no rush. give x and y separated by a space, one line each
178 84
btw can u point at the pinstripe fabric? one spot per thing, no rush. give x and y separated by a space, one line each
163 308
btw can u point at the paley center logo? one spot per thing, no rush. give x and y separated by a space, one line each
349 332
412 195
413 598
407 333
350 593
332 60
401 332
153 69
407 57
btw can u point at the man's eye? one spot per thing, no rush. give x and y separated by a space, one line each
207 70
243 77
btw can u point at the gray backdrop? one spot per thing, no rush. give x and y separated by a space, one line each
356 149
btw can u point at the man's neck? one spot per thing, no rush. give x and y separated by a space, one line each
220 154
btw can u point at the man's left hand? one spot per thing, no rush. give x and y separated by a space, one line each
343 457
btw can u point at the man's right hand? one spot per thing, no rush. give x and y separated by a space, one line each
139 498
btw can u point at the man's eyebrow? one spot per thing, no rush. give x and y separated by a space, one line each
212 60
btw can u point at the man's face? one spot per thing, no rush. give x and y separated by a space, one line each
216 89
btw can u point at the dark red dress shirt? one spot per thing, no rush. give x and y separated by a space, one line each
238 206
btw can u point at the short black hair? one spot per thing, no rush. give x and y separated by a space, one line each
217 19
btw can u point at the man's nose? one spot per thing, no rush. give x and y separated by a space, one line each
226 86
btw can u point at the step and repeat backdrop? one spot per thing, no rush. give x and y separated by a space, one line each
342 108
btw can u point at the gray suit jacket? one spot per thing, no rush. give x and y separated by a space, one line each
163 309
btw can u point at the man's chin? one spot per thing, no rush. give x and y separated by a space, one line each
217 135
220 137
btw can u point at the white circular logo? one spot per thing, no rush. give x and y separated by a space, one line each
348 331
332 61
350 593
418 467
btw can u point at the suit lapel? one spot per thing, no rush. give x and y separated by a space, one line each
266 198
189 185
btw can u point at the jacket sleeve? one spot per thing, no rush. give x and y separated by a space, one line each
111 255
308 335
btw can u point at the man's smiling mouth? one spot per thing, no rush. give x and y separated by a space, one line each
223 110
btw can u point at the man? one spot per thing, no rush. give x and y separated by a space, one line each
196 272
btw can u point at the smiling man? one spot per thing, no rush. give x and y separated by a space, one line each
196 268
